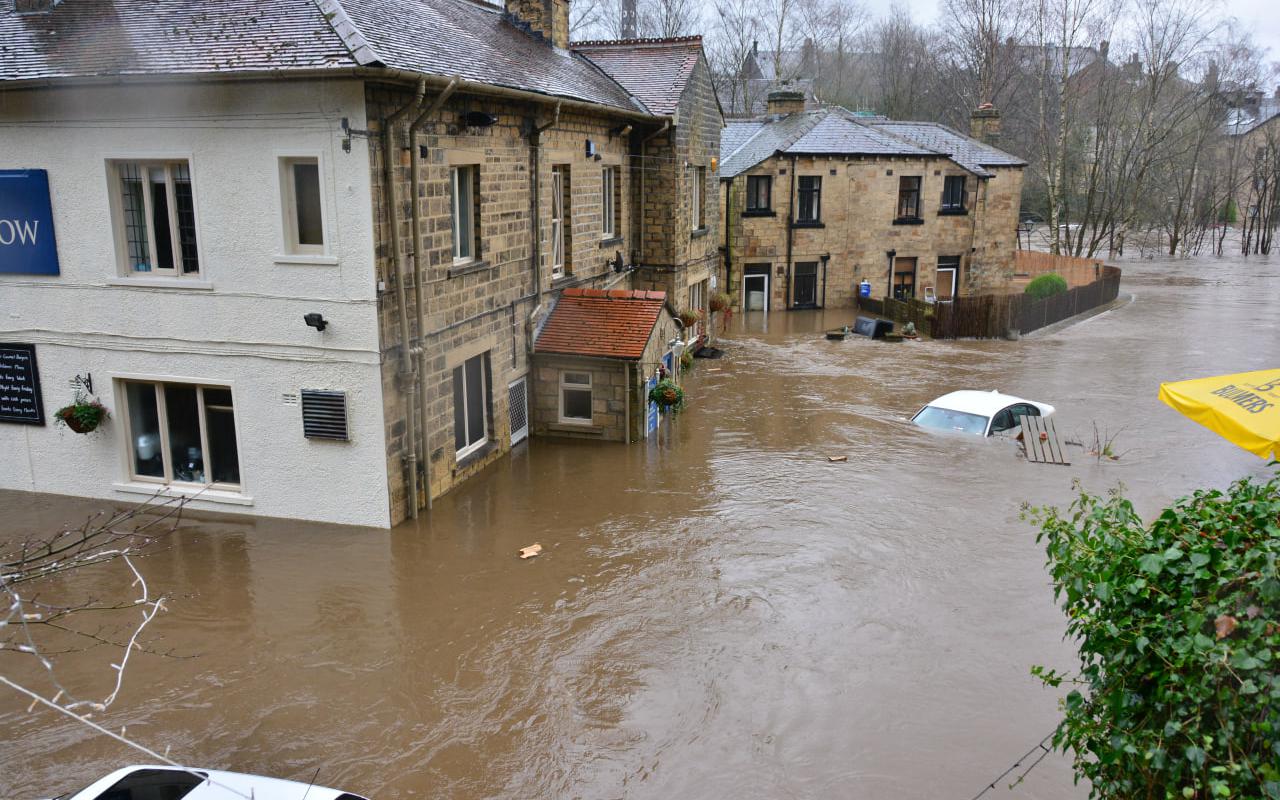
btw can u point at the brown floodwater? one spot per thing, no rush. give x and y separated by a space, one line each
722 613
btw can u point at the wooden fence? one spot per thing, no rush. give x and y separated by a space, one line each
1028 264
993 316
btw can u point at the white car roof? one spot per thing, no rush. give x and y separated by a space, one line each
224 786
985 404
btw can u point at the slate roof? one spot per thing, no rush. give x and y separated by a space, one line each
969 153
1241 121
836 131
829 131
615 323
87 38
118 38
656 71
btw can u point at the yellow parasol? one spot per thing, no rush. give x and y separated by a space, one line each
1243 408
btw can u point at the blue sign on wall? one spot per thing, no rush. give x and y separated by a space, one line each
27 246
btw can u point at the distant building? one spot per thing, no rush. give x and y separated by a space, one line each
764 71
305 250
818 202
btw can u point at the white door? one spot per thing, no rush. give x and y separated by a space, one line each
755 293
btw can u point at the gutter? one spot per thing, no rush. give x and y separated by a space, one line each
419 302
406 373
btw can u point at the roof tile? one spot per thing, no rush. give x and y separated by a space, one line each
654 70
615 323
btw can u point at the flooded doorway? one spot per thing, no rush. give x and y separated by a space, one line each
755 288
806 285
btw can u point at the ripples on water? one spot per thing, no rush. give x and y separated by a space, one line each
719 613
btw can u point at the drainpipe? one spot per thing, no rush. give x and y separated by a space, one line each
791 226
825 258
419 302
728 239
535 218
644 167
626 413
405 375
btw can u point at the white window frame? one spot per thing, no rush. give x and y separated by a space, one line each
465 249
696 200
288 207
484 392
608 209
157 384
557 222
577 387
115 188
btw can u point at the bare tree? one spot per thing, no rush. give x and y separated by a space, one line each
734 32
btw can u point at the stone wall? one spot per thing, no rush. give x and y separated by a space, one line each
608 397
858 227
483 306
674 255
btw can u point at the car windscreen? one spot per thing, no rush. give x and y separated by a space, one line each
946 419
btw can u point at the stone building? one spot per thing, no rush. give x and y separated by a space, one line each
303 252
819 202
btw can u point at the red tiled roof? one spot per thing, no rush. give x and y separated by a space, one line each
654 70
613 323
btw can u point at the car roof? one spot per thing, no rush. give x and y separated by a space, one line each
975 402
226 785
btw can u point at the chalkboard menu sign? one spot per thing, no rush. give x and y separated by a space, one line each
20 385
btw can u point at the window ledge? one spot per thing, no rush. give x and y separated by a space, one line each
760 212
953 212
611 241
575 427
908 221
468 267
300 258
161 283
191 492
807 224
563 281
474 456
698 233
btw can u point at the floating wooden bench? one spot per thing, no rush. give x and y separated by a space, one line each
1040 440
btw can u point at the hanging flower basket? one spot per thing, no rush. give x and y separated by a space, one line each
690 317
719 302
667 395
83 416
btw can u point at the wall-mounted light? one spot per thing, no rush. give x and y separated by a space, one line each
316 321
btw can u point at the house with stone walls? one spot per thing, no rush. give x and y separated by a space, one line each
819 202
304 252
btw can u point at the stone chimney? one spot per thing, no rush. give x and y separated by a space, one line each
34 6
547 18
984 124
785 101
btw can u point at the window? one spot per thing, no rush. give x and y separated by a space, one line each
561 245
575 397
699 207
759 192
810 199
953 193
909 197
303 212
463 191
181 433
904 278
157 217
610 218
471 404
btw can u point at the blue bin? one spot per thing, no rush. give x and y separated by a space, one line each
864 289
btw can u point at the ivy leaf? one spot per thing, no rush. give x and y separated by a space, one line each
1199 559
1172 554
1242 660
1195 755
1224 625
1151 563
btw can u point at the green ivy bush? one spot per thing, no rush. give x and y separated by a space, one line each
1046 285
1178 628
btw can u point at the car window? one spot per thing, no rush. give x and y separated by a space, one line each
1027 410
946 419
1003 420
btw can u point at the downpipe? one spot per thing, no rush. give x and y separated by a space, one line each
535 220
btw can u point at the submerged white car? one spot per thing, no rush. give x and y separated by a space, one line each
173 783
979 413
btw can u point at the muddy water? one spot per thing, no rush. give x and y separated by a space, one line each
723 613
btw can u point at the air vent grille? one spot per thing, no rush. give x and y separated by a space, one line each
324 414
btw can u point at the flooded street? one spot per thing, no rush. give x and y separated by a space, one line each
720 614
